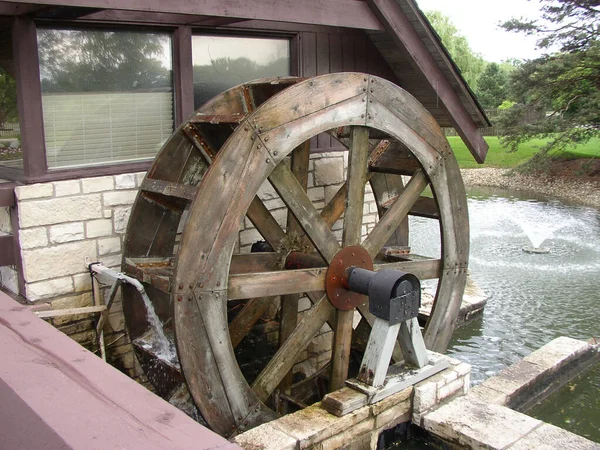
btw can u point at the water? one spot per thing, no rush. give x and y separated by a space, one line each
160 345
533 298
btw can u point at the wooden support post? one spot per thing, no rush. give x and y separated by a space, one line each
289 303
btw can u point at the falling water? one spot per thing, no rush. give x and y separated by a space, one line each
161 345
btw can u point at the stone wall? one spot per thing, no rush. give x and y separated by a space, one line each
64 224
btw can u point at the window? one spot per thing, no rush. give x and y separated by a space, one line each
223 62
10 137
107 96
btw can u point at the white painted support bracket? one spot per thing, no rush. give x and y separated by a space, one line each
400 377
378 353
376 378
412 343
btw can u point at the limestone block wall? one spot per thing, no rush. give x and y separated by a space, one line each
64 223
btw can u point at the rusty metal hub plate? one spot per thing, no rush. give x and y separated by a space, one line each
336 282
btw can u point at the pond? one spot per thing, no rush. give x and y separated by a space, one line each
533 298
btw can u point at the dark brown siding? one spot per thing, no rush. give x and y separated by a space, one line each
339 51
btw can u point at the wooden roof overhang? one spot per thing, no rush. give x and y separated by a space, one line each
398 29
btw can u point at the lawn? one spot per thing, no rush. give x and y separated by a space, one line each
498 156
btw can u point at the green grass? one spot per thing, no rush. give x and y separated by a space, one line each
498 156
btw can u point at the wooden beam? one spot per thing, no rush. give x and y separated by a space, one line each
357 179
264 284
70 311
29 96
290 191
183 74
7 194
7 250
399 27
337 13
391 220
16 9
112 15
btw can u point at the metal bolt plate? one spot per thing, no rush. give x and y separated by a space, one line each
339 296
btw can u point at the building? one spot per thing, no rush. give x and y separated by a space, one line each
102 84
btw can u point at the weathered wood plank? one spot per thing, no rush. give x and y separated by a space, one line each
265 223
386 186
168 188
286 356
234 119
70 311
455 254
351 235
356 14
394 158
289 303
290 191
412 344
422 269
390 221
423 207
157 272
266 284
377 357
313 96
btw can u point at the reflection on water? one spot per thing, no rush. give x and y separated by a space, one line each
533 298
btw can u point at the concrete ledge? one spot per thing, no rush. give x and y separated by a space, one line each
538 375
473 423
56 394
476 424
316 428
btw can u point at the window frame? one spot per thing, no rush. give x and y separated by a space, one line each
29 96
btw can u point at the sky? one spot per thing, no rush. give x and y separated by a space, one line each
478 21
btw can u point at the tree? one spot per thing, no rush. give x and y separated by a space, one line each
92 61
558 94
471 64
8 98
492 86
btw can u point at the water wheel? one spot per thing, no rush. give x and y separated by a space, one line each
185 222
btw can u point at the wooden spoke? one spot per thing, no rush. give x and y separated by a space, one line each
423 269
265 284
290 191
390 221
289 303
241 325
357 179
265 223
286 356
336 206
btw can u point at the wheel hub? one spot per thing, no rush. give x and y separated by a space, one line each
339 296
